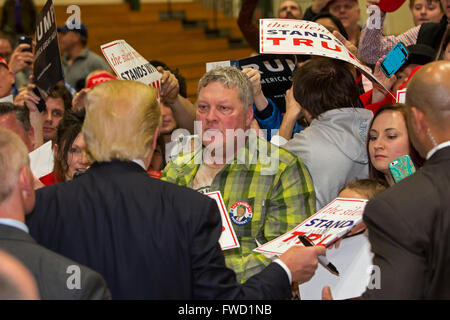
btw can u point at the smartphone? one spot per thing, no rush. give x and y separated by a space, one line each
394 60
401 168
27 40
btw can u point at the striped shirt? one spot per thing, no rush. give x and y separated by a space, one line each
373 45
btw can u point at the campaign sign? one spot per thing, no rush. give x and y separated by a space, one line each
47 69
128 64
228 239
276 74
330 223
401 96
288 36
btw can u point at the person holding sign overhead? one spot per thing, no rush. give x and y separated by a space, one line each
333 145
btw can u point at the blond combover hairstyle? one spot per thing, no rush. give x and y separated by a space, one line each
121 119
13 157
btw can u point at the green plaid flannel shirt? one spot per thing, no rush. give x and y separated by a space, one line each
281 197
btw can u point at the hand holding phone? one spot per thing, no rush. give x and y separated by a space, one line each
401 168
394 60
26 40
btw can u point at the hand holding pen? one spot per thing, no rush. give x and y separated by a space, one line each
322 259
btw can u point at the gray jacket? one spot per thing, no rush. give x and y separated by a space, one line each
333 148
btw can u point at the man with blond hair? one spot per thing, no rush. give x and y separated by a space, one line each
150 239
17 198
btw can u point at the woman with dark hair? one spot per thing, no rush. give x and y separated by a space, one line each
387 140
69 149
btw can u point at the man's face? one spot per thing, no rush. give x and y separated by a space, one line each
219 108
347 11
67 39
10 122
290 10
5 49
52 116
168 123
6 81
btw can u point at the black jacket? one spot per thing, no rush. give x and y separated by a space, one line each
148 238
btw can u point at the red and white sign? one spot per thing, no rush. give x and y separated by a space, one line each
330 223
289 36
128 64
401 96
228 239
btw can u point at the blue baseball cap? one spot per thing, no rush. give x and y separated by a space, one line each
81 30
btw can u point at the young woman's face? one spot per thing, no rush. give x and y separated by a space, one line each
388 139
77 160
426 11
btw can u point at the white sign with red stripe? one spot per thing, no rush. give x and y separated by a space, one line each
128 64
228 239
290 36
328 224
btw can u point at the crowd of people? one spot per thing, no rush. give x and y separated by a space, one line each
121 210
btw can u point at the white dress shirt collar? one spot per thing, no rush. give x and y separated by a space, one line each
438 147
14 223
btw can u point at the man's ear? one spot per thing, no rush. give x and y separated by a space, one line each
418 121
249 116
26 183
308 115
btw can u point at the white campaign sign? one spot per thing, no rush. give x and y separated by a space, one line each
228 239
330 223
289 36
128 64
353 259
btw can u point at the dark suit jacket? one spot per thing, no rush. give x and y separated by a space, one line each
51 270
409 231
148 238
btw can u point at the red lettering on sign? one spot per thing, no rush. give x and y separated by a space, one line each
306 42
321 241
293 235
325 45
276 41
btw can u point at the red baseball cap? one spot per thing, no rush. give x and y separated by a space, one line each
390 5
99 78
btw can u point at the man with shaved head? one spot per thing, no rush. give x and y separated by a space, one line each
409 224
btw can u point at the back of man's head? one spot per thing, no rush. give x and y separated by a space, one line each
324 84
429 91
121 120
13 158
16 281
21 124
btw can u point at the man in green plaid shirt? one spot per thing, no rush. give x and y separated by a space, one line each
266 189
